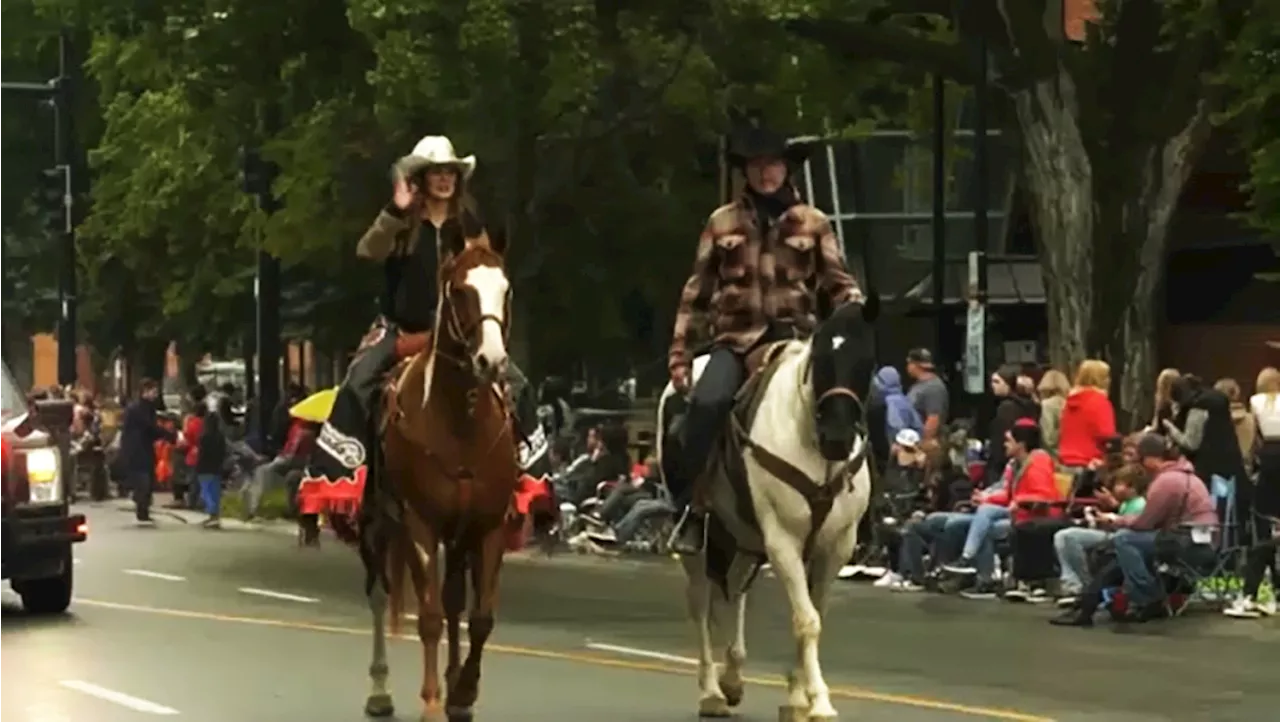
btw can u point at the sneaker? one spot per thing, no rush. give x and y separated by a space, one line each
1067 600
888 580
689 534
212 522
1039 595
961 566
982 590
1072 618
605 534
1244 608
1020 593
908 585
147 523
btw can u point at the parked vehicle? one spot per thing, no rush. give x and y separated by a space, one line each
38 526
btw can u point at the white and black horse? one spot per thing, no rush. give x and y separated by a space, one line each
788 486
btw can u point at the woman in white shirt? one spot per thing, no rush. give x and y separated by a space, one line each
1266 410
1265 406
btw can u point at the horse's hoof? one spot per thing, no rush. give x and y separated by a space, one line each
379 705
791 713
733 693
712 707
458 714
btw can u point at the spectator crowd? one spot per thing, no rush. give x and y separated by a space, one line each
1047 501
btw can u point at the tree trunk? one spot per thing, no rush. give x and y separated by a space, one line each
1102 221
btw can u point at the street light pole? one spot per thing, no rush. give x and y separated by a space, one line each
64 155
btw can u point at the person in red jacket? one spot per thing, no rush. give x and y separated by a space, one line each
1029 477
1088 419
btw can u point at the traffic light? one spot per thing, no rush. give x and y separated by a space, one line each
258 176
54 198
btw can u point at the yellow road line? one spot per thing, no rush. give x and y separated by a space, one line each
853 693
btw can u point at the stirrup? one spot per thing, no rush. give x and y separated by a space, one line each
677 541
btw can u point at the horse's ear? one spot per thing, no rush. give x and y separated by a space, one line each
498 242
871 305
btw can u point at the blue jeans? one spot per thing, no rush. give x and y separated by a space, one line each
211 493
944 530
984 562
627 527
983 518
1072 545
1134 552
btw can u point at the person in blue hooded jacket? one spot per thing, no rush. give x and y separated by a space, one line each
899 412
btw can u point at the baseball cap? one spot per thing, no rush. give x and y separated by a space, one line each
921 357
1152 446
907 438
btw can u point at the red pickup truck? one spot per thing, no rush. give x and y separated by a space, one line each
38 526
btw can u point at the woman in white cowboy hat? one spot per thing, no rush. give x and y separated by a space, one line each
430 217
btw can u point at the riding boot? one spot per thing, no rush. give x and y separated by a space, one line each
690 533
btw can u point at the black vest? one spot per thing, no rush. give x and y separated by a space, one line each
412 280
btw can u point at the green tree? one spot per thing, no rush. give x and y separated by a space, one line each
1109 129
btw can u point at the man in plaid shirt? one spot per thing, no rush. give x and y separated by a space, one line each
767 264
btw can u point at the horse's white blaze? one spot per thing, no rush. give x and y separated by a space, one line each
491 285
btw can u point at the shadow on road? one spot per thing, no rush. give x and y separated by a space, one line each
17 621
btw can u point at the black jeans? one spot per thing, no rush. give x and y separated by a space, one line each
1262 555
710 403
142 485
1034 556
342 444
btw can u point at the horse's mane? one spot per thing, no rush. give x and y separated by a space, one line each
478 253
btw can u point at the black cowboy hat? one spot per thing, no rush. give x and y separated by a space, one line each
756 141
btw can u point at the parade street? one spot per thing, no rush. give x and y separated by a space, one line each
241 625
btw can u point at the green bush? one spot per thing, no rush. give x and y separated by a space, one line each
275 505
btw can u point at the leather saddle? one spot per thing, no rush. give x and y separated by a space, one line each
402 392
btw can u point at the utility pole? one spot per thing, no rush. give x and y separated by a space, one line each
64 158
60 206
975 376
259 176
939 212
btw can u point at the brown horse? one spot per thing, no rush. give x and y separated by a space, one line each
450 467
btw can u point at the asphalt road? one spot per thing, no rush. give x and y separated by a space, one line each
243 626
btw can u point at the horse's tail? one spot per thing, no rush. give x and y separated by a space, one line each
397 563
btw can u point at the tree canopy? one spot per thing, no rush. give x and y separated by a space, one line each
596 126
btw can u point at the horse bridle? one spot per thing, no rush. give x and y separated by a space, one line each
468 336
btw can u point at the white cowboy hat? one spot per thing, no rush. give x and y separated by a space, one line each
436 150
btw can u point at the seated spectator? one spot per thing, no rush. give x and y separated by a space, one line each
1029 477
1178 506
292 460
624 495
941 534
1073 544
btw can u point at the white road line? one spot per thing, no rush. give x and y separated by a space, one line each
155 575
634 652
278 595
120 698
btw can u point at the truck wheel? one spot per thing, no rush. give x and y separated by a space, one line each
51 595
